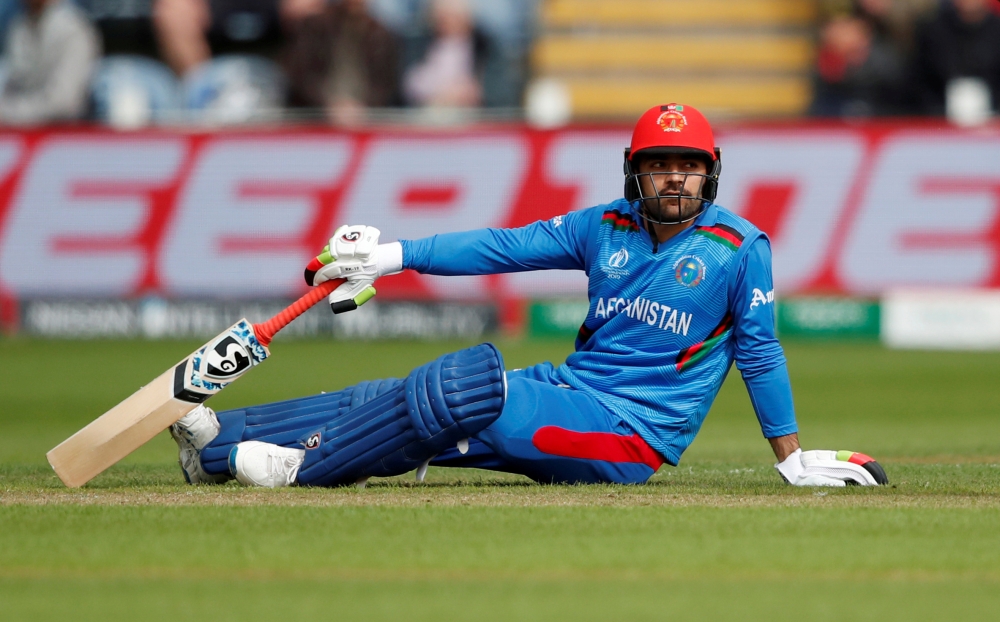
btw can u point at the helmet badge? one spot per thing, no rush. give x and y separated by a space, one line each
672 119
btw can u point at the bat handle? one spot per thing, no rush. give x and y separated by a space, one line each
265 331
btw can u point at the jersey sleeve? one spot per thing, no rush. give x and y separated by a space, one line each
758 354
558 244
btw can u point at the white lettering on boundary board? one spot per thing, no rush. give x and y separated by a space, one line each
941 319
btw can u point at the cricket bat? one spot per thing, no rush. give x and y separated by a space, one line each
173 394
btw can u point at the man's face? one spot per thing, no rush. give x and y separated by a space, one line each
672 175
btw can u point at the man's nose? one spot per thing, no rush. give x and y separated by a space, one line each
673 177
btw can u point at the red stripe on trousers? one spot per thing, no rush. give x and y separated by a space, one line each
605 446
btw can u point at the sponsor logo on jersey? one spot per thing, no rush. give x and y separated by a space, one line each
689 271
760 298
557 221
314 440
672 119
652 313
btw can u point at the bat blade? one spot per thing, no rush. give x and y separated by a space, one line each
158 405
118 432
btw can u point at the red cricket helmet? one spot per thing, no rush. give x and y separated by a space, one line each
673 128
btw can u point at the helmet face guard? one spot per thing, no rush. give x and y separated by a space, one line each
654 209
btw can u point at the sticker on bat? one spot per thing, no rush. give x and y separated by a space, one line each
226 359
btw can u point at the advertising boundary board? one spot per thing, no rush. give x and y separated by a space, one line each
851 210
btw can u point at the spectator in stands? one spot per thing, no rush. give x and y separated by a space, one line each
189 31
893 20
344 61
859 73
9 9
450 72
51 51
961 41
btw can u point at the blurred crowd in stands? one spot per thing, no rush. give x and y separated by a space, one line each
908 57
134 62
129 63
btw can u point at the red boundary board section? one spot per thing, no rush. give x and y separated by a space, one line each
537 195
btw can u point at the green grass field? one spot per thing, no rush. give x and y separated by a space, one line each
718 538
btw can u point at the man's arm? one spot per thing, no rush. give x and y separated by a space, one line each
557 244
64 93
761 361
758 354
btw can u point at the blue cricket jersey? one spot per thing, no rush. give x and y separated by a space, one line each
663 328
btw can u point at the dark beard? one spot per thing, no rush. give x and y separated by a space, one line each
664 209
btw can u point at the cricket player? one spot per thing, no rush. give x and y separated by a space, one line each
679 289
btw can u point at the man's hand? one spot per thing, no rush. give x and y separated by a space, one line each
351 254
821 467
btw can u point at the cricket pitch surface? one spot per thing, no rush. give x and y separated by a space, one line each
718 538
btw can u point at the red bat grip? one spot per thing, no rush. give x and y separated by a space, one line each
265 331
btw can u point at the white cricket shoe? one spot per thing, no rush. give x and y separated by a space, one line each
264 464
192 433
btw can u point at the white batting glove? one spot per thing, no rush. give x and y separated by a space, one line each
351 254
355 254
820 467
351 295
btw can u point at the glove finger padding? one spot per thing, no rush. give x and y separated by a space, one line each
821 467
851 466
351 295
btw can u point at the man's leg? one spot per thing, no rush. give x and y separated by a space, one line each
283 423
379 428
555 434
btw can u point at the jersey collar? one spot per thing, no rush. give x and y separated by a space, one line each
709 217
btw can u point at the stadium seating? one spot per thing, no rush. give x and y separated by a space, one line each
732 58
131 91
235 89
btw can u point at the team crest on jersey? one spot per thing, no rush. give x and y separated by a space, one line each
689 271
672 119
